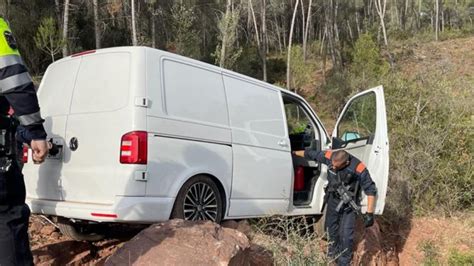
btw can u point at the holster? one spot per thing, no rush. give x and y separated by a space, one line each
8 150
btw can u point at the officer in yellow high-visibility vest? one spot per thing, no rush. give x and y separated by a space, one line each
16 90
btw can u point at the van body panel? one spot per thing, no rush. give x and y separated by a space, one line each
188 125
263 170
172 161
127 209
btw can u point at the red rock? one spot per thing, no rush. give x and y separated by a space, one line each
179 242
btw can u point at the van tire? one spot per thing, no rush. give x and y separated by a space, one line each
206 183
73 231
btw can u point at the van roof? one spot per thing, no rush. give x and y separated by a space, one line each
182 58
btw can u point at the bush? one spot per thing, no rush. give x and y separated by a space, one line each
301 70
367 65
461 258
430 131
430 253
249 63
290 239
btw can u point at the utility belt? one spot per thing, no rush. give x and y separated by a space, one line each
8 149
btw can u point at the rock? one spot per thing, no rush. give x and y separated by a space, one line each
47 230
242 226
179 242
259 256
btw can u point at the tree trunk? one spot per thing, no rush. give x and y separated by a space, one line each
65 27
288 72
303 21
306 30
277 30
381 7
134 27
261 43
436 19
153 30
226 31
350 30
263 52
252 12
57 11
96 24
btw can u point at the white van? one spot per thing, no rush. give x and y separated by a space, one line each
148 135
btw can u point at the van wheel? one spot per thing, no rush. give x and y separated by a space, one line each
78 232
199 199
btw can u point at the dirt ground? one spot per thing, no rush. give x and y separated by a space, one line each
437 238
442 235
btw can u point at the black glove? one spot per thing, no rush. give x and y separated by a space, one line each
369 219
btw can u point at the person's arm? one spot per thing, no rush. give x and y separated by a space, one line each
370 204
368 185
319 156
18 89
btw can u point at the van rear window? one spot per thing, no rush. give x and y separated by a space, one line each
58 83
103 83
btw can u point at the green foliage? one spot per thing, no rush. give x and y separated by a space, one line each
367 64
48 37
301 70
430 253
461 258
430 131
249 62
186 38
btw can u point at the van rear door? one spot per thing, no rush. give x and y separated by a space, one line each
101 113
362 130
55 92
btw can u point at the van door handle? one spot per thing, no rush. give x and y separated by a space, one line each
282 143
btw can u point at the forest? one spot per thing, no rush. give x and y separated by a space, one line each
249 36
421 51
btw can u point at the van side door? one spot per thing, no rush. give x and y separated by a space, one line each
262 166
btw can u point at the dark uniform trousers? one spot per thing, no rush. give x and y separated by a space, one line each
14 217
340 229
18 91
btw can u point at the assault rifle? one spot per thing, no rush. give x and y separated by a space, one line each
346 196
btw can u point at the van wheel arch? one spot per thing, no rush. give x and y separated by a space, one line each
219 186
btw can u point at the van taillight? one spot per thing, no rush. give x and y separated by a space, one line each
134 148
25 154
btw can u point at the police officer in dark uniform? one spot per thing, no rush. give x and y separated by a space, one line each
350 172
16 90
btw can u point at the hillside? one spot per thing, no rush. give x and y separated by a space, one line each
407 236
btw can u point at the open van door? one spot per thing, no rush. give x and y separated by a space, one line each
361 130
